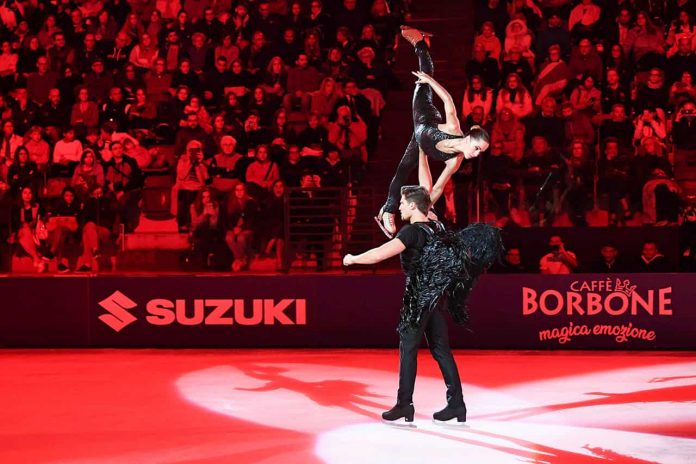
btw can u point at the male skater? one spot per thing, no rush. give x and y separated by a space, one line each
415 320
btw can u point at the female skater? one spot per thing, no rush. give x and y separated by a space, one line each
445 142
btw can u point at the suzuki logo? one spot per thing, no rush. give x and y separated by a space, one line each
117 305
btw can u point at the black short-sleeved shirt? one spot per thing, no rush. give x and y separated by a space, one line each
413 237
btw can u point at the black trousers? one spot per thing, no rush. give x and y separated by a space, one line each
435 328
424 114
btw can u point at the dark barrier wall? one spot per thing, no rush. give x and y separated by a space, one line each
632 311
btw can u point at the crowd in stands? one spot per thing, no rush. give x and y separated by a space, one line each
593 100
234 99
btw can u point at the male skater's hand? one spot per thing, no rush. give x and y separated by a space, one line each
348 260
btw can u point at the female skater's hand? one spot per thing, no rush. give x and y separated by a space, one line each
348 260
423 78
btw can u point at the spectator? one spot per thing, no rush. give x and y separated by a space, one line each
619 27
280 132
87 175
223 169
684 137
10 142
118 55
53 115
28 226
22 172
349 134
200 54
24 111
652 123
143 55
645 43
207 228
191 178
227 49
617 126
98 221
579 178
610 261
262 172
142 113
62 226
558 260
275 79
512 262
577 125
510 132
242 214
67 152
335 65
262 105
540 172
60 55
488 40
129 81
586 97
183 76
682 90
547 124
614 92
515 63
584 19
41 81
39 151
114 110
493 11
554 33
158 82
651 260
615 178
124 180
216 81
500 177
515 96
654 93
518 36
585 61
477 95
302 79
323 101
553 76
190 130
683 60
84 112
332 170
312 48
313 137
99 82
483 65
273 224
660 200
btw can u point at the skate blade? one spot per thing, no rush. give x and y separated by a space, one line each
400 424
452 423
381 226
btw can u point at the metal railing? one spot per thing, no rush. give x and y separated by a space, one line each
322 224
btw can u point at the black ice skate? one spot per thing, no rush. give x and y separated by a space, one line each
448 415
400 415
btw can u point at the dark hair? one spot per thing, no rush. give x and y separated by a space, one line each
478 134
15 159
418 195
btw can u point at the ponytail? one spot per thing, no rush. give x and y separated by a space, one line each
478 134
